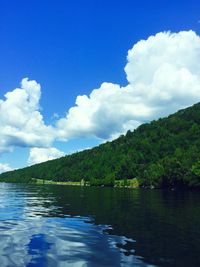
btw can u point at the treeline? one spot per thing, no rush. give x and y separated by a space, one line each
163 153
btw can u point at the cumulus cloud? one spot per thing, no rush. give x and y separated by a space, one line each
163 74
5 167
21 123
38 155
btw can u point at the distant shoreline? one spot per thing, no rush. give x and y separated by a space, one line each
119 183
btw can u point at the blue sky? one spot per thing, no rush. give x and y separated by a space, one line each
72 47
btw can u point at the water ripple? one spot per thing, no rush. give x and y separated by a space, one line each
34 231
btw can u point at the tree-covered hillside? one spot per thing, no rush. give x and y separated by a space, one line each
163 153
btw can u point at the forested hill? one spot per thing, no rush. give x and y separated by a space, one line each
163 153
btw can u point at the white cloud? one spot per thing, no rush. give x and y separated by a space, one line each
5 167
163 74
21 123
38 155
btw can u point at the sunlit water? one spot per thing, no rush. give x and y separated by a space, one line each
76 226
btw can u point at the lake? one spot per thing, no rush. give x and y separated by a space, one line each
54 225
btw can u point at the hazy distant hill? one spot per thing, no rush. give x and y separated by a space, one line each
163 153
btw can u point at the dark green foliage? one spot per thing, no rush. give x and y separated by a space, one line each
163 153
108 181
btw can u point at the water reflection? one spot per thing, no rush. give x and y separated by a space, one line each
76 226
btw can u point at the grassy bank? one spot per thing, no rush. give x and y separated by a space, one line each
131 183
41 181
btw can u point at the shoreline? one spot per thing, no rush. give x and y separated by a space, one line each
118 184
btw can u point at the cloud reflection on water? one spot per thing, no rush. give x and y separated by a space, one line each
33 232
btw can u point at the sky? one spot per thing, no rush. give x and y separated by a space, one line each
74 74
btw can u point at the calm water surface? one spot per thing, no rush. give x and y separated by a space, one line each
76 226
